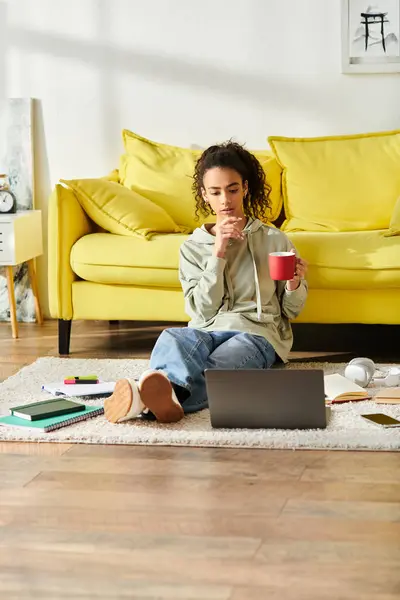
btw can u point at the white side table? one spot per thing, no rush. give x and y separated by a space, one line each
21 241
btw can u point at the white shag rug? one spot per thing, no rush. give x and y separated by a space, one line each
346 429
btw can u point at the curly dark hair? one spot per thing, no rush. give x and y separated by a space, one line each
231 155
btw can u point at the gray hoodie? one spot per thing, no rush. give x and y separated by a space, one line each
236 292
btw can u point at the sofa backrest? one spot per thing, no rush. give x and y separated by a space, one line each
342 183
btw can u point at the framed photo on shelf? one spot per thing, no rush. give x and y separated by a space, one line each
371 36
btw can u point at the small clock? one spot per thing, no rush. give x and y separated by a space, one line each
8 202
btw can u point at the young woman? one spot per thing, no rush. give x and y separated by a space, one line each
239 315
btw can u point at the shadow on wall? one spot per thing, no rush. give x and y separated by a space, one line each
244 86
310 97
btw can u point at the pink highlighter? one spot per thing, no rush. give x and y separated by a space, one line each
82 379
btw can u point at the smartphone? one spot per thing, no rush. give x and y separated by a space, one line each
382 420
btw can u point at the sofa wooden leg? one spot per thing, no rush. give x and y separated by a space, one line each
64 336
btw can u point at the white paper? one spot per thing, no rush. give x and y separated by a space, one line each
76 390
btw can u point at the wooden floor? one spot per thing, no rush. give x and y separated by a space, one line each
93 522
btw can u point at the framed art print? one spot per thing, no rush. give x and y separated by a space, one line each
371 36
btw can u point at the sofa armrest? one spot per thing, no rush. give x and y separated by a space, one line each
66 224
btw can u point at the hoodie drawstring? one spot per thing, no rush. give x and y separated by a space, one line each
257 283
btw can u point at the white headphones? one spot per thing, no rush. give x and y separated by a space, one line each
363 370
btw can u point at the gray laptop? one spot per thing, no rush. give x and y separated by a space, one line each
266 398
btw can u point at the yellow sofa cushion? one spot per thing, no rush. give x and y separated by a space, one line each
394 225
116 259
350 260
119 210
343 183
164 174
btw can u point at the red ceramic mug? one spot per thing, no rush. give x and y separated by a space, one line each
282 265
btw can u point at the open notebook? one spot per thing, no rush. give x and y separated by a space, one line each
341 389
52 423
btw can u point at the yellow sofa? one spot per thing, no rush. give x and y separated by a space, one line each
354 275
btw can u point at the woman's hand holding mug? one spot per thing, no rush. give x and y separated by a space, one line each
285 266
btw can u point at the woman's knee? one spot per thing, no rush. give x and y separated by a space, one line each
260 344
245 339
171 332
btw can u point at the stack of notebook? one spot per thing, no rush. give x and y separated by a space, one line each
103 388
49 415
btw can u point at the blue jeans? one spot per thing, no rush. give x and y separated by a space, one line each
184 353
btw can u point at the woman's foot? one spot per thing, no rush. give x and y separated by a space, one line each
158 396
125 403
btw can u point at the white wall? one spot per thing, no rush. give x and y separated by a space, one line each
184 72
3 43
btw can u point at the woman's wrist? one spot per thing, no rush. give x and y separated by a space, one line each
291 286
219 252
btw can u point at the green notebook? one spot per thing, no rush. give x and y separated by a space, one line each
53 423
